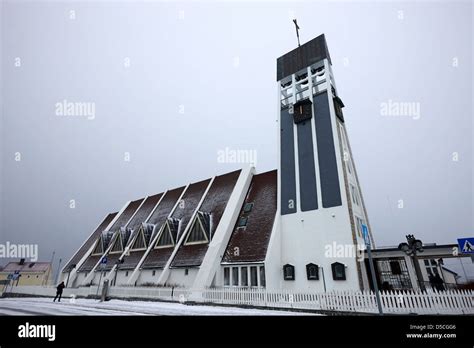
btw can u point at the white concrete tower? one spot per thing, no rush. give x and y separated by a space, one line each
320 206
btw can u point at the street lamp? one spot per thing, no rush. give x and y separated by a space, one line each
412 248
117 264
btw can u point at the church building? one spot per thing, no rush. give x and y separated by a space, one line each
298 227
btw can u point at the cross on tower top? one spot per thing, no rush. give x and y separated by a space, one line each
297 32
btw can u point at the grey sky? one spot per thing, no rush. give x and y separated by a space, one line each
218 61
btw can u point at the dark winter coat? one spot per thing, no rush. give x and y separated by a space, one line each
60 288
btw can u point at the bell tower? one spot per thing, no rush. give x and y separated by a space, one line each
320 203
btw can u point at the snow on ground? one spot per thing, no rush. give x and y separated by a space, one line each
46 306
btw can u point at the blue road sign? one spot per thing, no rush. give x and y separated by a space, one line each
365 233
466 245
104 260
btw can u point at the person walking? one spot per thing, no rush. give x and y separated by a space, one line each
59 291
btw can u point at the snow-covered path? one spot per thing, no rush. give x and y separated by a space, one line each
45 306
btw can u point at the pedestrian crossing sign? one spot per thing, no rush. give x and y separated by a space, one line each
466 245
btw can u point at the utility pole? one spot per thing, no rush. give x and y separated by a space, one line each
324 280
365 232
59 270
52 258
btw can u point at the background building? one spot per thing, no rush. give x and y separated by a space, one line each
27 273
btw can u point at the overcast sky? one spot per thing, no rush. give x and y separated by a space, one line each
174 83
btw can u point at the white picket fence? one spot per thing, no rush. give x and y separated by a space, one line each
393 302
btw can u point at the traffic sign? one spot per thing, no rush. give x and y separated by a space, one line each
365 233
466 245
104 260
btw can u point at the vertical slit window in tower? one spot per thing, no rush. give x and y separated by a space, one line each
345 146
358 226
328 173
287 164
307 172
338 105
355 196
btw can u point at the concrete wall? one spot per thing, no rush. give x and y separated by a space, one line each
79 278
146 277
273 265
178 277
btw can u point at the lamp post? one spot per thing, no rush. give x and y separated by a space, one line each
59 270
412 248
365 232
117 263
